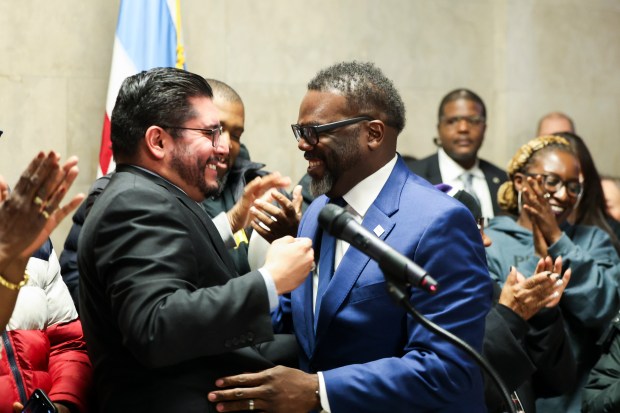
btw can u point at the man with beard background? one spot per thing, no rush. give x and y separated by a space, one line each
360 352
164 311
461 125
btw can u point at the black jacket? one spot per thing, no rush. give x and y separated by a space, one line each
164 312
602 392
428 168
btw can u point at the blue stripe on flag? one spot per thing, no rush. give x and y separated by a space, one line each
146 31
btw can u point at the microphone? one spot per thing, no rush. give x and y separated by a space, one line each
339 223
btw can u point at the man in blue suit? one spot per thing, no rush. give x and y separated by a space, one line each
360 352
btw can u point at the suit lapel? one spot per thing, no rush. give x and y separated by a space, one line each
354 262
301 297
195 209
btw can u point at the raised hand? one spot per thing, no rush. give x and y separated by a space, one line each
31 211
544 223
273 221
239 215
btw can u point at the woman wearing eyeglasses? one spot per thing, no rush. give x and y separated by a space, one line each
542 190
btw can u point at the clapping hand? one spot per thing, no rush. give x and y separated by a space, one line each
545 227
31 211
273 221
526 296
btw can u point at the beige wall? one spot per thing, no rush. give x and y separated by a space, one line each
524 57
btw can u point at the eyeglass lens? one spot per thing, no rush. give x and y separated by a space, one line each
554 184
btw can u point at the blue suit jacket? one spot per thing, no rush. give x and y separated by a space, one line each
373 356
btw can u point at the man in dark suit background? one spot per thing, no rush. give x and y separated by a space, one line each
163 309
461 125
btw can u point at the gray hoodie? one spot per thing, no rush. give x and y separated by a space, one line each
590 300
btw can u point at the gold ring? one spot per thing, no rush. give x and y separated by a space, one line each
251 405
45 214
37 201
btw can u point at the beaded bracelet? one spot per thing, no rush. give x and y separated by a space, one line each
12 286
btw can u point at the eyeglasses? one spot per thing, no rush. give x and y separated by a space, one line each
553 183
310 133
471 120
212 134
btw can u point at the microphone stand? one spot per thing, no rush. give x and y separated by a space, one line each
398 294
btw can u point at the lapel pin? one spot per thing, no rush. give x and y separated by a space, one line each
378 230
495 180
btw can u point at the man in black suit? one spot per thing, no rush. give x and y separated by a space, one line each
164 311
461 125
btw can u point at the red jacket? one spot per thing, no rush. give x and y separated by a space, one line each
43 346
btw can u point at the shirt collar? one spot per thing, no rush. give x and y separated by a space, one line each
362 195
452 171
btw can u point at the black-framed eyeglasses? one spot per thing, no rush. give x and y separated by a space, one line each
212 134
455 120
552 183
310 133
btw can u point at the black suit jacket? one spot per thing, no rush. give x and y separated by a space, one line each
163 310
428 168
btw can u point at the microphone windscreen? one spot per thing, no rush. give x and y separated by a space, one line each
328 215
470 202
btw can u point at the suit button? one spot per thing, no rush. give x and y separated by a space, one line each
235 341
227 344
250 337
242 338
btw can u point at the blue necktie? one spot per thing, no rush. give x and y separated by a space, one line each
326 263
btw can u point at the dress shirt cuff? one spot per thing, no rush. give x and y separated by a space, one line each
323 393
223 227
272 293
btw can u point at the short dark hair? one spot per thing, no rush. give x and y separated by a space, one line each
461 93
367 90
157 96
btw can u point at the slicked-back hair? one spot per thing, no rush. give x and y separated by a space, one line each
461 94
223 91
367 90
157 96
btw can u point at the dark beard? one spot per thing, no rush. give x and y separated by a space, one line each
345 156
193 175
221 184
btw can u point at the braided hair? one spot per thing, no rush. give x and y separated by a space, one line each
507 196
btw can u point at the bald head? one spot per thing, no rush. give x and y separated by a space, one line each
224 92
555 122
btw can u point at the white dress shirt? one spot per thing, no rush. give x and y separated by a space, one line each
358 199
451 174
